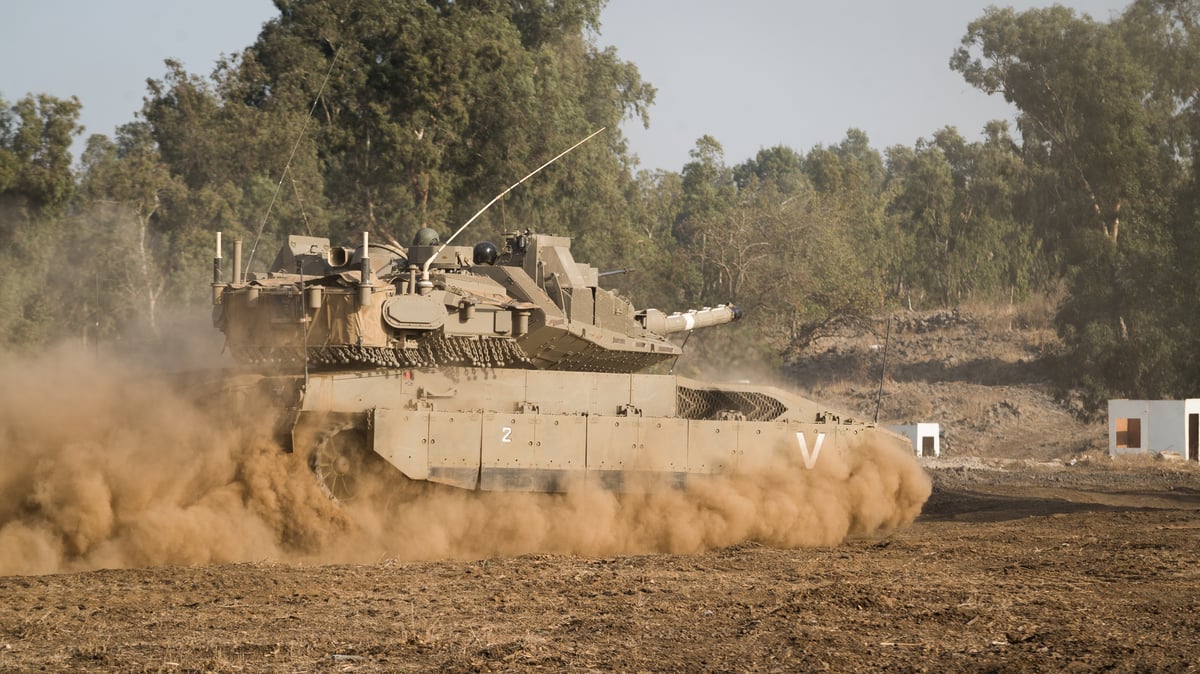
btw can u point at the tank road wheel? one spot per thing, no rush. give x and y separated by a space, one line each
342 457
343 463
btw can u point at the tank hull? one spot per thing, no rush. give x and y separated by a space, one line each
499 372
547 431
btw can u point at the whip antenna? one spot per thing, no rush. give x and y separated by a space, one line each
425 269
883 370
288 165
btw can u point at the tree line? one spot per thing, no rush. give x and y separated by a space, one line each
391 115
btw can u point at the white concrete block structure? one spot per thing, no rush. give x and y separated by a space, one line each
1154 426
925 437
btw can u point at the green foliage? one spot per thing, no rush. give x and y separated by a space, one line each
1106 118
35 159
1088 113
36 184
430 109
954 203
763 236
128 236
852 176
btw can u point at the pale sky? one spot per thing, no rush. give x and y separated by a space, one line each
751 73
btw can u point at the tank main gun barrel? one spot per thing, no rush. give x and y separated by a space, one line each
657 322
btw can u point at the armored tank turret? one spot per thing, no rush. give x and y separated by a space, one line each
531 306
495 368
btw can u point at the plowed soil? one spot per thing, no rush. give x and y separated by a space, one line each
1012 567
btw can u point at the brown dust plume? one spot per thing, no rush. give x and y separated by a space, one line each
99 469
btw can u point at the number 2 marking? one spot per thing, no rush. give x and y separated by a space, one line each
506 434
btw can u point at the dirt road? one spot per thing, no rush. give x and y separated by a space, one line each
1028 567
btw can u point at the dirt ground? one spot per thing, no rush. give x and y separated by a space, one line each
1014 566
1035 552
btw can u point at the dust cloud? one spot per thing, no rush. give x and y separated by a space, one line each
869 489
101 469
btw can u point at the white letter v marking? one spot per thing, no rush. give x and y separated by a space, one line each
810 460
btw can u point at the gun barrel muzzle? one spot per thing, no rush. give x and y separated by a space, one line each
686 321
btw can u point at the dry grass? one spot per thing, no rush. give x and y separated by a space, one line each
42 624
1035 312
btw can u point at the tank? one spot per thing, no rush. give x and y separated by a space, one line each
498 368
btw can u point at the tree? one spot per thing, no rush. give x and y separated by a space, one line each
851 178
128 195
709 194
35 152
1085 111
780 164
36 185
1103 108
955 203
431 108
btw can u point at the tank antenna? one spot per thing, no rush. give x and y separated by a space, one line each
883 370
425 269
287 166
